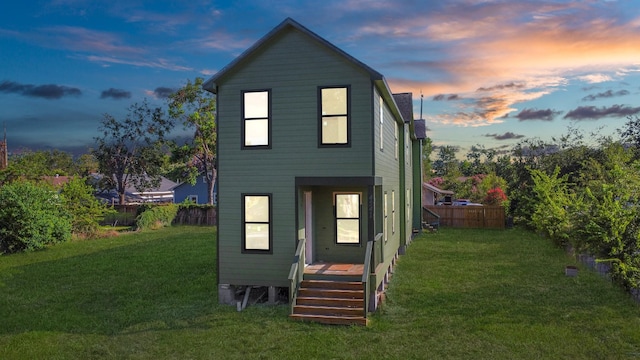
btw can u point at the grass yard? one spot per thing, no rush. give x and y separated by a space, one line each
458 294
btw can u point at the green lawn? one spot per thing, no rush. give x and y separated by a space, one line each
460 294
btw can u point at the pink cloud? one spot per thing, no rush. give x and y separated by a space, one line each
541 47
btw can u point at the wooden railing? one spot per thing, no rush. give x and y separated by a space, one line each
430 218
369 261
296 272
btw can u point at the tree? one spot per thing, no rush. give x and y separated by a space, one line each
86 164
446 163
427 148
195 107
33 165
631 133
131 151
551 215
481 160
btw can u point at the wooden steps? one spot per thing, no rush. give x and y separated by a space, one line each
330 302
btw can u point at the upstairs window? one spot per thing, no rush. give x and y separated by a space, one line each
256 218
256 115
395 135
381 108
347 209
407 147
334 117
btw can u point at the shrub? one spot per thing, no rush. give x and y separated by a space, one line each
31 217
495 196
156 217
553 198
86 211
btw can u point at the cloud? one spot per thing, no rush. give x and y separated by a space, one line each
595 78
594 113
511 50
47 91
162 92
82 40
604 95
506 136
509 86
450 97
98 46
158 63
115 94
535 114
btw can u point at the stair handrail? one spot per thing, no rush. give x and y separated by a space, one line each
366 271
296 272
432 213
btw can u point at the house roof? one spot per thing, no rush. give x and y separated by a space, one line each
212 83
420 127
405 105
57 180
288 23
165 185
436 189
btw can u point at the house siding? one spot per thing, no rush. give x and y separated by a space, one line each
407 200
284 68
183 191
388 168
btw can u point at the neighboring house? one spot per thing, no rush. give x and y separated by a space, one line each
431 195
57 181
163 193
317 159
197 193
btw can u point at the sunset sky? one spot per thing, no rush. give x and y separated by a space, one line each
491 72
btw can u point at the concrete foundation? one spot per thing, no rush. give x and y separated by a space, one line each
226 294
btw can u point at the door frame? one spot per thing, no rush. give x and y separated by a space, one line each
308 227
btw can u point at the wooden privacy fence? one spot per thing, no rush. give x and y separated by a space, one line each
186 215
467 216
196 216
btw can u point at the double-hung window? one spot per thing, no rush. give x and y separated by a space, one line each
347 210
256 218
381 115
334 117
393 211
256 119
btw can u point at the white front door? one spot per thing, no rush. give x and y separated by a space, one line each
308 228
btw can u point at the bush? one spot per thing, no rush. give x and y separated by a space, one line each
31 217
551 216
86 211
156 217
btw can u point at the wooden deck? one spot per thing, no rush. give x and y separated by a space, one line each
334 269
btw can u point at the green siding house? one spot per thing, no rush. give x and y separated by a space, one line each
316 175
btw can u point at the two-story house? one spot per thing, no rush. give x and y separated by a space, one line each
316 174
